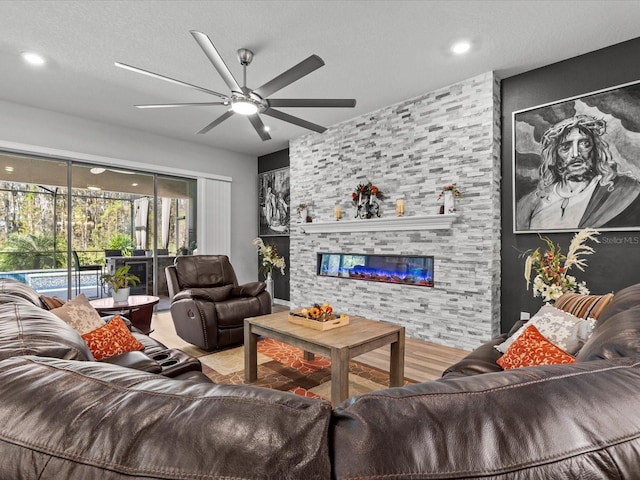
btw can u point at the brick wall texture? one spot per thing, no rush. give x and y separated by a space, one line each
410 150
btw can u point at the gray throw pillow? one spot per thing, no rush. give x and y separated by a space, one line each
564 330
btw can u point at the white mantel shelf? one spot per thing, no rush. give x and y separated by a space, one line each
390 224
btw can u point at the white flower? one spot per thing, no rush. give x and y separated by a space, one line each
577 248
270 258
551 267
527 269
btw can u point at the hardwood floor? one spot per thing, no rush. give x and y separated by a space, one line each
423 361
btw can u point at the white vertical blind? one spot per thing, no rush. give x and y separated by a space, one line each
214 217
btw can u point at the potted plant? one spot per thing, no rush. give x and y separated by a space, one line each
119 282
122 242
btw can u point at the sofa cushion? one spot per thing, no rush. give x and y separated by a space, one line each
573 421
561 328
530 349
110 339
212 294
251 289
233 312
583 306
622 300
12 290
204 271
481 360
618 337
26 329
93 420
80 314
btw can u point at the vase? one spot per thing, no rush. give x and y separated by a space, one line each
303 215
121 295
269 282
449 202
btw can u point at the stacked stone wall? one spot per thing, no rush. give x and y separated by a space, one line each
410 150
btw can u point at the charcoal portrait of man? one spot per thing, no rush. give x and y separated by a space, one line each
581 180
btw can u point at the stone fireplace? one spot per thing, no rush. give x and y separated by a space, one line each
409 151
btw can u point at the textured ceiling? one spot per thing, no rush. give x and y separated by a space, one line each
378 52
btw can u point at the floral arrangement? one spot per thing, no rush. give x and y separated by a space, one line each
551 267
365 190
450 188
301 207
270 258
322 313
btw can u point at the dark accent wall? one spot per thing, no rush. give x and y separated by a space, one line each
616 261
274 161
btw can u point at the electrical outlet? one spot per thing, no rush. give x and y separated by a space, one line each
525 316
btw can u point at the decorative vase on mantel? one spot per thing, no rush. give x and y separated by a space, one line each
269 282
449 202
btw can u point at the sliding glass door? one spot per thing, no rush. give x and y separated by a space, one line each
63 224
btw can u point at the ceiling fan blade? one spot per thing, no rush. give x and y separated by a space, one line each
212 54
173 105
168 79
312 102
259 126
295 120
216 122
305 67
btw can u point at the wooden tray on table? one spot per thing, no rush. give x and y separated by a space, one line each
301 319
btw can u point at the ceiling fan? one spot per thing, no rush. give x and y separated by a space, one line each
245 101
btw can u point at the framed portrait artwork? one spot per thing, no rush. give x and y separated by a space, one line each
576 163
274 207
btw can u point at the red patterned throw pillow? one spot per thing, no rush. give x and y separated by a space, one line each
111 339
532 348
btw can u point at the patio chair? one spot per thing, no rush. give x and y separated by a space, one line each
86 268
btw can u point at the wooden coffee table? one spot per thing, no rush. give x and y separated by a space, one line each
340 345
138 308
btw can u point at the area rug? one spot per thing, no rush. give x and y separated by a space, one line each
283 367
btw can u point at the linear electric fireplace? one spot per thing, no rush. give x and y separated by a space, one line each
402 269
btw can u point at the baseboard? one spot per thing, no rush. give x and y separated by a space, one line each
278 301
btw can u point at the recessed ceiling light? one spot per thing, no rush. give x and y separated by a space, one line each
97 170
134 184
267 128
8 169
94 188
461 47
33 58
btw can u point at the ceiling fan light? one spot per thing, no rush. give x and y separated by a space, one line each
244 107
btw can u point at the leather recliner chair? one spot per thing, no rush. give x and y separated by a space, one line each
208 306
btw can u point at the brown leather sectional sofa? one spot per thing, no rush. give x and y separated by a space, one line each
64 417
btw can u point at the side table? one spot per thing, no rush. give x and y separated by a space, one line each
138 309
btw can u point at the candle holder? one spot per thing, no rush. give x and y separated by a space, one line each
399 207
337 213
368 208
